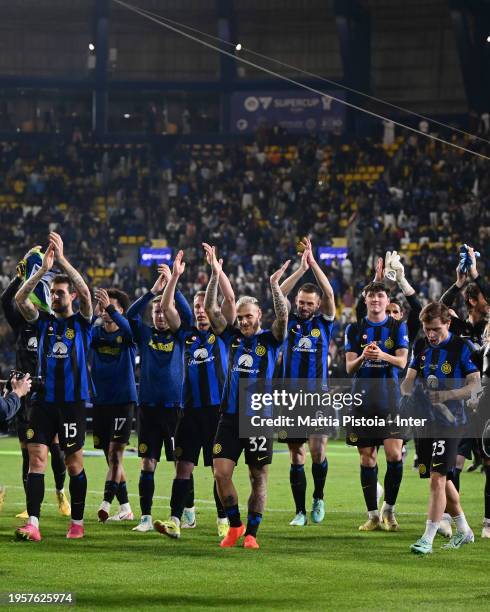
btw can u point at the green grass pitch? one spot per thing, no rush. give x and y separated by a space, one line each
331 566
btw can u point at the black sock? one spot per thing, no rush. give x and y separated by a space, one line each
146 489
253 522
25 467
189 502
297 478
110 489
233 514
393 479
487 491
180 493
34 494
455 478
78 493
369 483
219 506
319 472
122 493
58 466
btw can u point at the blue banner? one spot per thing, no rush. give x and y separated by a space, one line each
297 111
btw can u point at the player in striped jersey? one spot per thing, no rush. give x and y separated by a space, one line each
376 351
63 341
305 356
26 361
445 358
205 363
253 353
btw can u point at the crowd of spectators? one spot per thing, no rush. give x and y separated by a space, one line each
254 202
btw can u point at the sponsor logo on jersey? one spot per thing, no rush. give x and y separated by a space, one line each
305 345
166 347
59 351
201 353
246 361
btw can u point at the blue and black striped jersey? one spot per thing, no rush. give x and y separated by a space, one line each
205 365
63 356
378 380
249 357
450 362
305 350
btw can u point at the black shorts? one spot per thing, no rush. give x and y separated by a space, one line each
228 444
466 446
353 440
436 455
196 429
68 420
156 430
112 424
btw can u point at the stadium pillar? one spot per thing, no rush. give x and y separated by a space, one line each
99 94
471 25
227 66
353 21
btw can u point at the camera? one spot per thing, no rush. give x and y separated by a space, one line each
37 383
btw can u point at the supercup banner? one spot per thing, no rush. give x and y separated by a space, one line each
297 111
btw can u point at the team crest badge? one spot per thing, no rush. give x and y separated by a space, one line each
217 449
260 350
29 434
70 334
178 452
315 332
353 438
212 339
422 469
446 368
143 447
119 339
96 441
389 343
282 435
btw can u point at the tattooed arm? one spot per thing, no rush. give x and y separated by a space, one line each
280 325
24 304
218 321
80 285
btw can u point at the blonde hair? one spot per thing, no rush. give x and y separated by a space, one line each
247 299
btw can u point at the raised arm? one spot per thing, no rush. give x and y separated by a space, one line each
228 307
12 314
289 283
280 325
103 301
216 317
327 305
84 296
24 304
168 297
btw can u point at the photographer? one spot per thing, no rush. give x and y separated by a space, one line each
10 404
